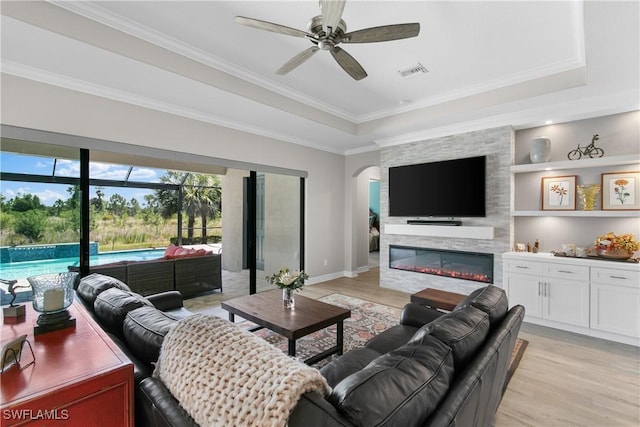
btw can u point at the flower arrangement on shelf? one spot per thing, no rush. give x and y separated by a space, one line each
286 279
621 243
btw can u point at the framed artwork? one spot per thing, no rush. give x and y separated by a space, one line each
559 193
620 191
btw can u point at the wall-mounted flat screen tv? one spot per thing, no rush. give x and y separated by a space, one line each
450 188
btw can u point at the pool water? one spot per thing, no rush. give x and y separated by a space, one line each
22 270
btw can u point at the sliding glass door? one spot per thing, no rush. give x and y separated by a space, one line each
279 226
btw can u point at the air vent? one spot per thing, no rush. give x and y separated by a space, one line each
412 71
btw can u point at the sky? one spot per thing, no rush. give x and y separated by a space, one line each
49 193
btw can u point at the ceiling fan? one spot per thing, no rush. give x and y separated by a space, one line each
327 30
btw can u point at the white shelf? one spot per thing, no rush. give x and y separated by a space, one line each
580 214
466 232
577 164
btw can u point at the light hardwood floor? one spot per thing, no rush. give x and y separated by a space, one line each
564 379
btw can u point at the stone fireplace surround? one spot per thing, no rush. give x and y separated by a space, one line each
498 145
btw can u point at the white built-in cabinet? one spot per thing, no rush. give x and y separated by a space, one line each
588 296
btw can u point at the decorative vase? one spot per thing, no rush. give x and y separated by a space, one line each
588 195
287 298
540 149
617 253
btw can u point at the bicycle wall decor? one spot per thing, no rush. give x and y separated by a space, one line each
590 150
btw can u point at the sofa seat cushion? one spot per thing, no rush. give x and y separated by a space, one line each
112 306
347 364
401 388
94 284
144 330
392 338
463 330
490 299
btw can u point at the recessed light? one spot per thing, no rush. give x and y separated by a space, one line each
548 122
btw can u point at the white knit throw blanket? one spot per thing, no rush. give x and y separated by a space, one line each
224 376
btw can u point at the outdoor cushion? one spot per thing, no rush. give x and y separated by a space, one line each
94 284
112 305
463 330
144 330
490 299
401 388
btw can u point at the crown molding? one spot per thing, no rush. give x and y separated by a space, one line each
580 109
98 14
47 77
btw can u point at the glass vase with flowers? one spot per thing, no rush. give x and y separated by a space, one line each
288 281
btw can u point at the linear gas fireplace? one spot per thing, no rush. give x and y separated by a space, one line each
475 266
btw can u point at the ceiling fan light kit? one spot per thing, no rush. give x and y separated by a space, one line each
327 31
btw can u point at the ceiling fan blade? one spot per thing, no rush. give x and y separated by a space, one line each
382 34
270 26
297 60
331 13
348 63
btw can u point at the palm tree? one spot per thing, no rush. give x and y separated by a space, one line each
200 197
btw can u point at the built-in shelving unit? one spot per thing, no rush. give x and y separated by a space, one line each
577 164
632 159
580 214
467 232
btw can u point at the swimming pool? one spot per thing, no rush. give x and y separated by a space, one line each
24 269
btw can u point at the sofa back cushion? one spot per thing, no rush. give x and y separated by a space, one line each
144 330
94 284
463 330
112 305
490 299
400 388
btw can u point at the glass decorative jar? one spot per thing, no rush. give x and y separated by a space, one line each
588 195
52 295
287 298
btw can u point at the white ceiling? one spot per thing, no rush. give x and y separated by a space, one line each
490 64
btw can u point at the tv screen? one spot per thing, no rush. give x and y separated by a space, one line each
450 188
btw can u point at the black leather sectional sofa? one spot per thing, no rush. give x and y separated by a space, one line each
433 369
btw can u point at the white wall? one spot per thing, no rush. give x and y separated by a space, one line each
233 205
34 105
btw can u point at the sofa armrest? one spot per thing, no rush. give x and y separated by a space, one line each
313 410
165 301
158 407
418 315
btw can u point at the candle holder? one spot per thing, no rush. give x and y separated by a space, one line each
52 295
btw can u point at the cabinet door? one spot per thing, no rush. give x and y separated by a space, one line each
615 309
525 290
566 301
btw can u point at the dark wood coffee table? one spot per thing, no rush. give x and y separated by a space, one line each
266 310
437 299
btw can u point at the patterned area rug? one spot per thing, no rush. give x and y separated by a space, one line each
367 320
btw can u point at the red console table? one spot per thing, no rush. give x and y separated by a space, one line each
79 378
